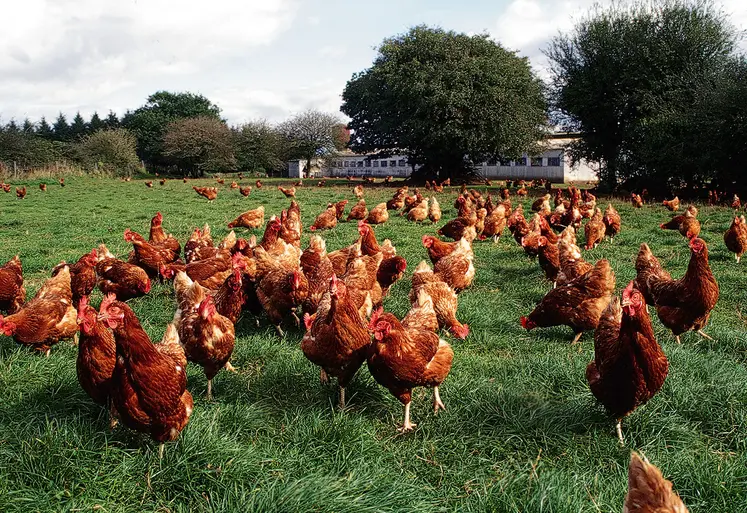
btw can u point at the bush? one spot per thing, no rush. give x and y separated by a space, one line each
109 151
199 145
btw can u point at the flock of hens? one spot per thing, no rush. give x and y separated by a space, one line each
340 293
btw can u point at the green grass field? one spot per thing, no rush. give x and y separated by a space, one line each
522 431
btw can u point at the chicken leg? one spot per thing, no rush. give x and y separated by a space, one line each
577 338
342 398
437 403
618 427
229 367
407 426
210 390
279 331
160 450
323 378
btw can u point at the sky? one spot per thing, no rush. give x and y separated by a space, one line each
256 59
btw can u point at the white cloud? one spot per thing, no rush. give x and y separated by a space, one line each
79 52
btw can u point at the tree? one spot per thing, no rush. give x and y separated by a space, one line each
28 126
200 144
61 129
113 150
78 127
628 79
43 130
12 127
150 121
446 100
96 123
260 147
312 134
112 121
26 149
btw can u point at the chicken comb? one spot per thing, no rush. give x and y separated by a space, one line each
106 303
308 320
375 318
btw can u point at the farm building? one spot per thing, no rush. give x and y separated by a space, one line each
554 164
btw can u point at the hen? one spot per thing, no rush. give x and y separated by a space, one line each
339 208
21 193
419 212
12 293
125 281
612 222
336 338
687 224
245 191
359 211
735 239
648 491
281 287
290 225
250 219
200 245
457 269
358 191
636 200
629 366
207 338
572 265
578 304
434 211
403 358
209 193
437 249
422 314
318 270
48 318
495 223
149 389
685 304
672 205
82 275
289 193
594 230
159 236
151 257
444 299
378 214
97 355
548 258
326 220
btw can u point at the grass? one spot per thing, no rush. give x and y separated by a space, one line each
522 431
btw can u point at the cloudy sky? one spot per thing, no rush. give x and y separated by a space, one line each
255 59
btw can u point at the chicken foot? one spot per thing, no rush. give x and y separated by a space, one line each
323 377
229 367
407 426
437 403
577 338
705 335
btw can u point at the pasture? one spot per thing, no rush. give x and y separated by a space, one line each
522 431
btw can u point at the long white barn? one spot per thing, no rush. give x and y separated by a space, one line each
554 164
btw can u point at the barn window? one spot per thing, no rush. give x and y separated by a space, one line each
346 163
553 161
401 162
383 163
521 161
368 163
375 163
536 161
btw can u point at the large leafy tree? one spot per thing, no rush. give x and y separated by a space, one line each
201 144
629 78
112 121
260 146
313 134
149 122
447 100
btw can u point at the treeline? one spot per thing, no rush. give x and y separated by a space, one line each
180 133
